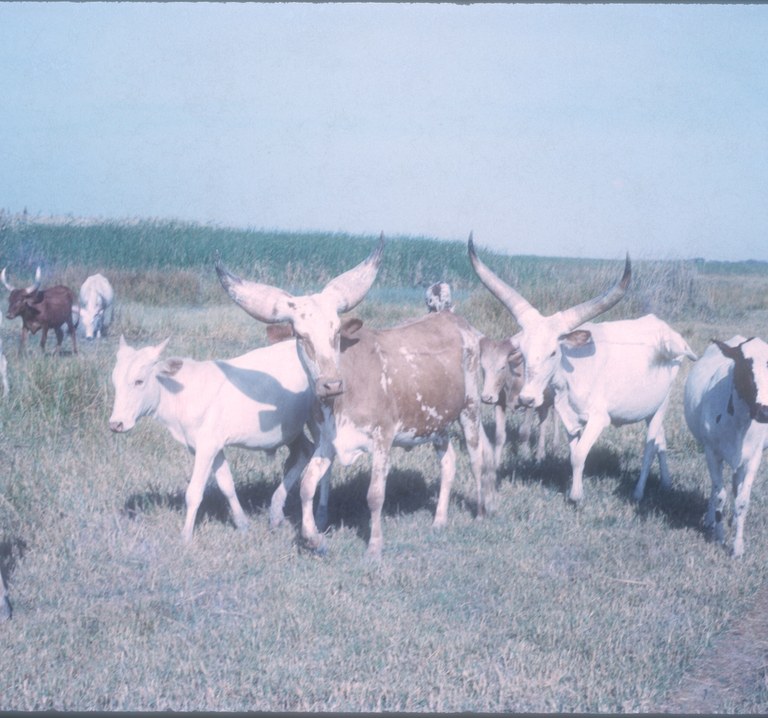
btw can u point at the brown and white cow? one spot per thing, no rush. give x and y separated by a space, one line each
502 367
45 309
379 388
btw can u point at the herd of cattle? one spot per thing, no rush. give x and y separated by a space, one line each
357 389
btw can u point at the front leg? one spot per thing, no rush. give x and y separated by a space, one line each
580 448
717 496
314 471
742 488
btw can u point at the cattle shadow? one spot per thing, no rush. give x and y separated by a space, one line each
11 552
680 508
407 492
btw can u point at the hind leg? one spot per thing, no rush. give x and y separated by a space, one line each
299 452
223 475
447 457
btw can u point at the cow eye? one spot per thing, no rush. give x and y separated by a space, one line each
138 382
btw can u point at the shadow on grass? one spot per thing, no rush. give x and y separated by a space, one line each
681 508
11 551
407 492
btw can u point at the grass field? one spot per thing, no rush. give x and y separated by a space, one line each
544 607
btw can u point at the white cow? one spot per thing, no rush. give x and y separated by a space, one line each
260 400
96 298
726 408
611 373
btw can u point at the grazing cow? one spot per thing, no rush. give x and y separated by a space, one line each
726 408
379 388
502 367
47 309
260 400
5 605
438 297
96 297
611 373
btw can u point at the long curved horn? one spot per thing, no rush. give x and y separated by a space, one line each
9 287
349 288
585 311
518 305
32 288
263 302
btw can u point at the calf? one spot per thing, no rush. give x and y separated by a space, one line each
502 368
50 308
726 408
260 400
96 298
379 388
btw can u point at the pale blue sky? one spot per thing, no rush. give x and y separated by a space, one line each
576 130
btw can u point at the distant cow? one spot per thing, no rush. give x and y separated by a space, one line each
438 297
726 408
260 400
96 298
50 308
610 373
502 367
379 388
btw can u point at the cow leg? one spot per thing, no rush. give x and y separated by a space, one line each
580 448
447 458
656 442
5 605
73 334
376 491
224 479
546 419
299 452
22 340
481 460
4 373
524 433
194 494
501 432
317 467
742 489
717 497
43 337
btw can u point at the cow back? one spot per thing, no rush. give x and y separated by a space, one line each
409 378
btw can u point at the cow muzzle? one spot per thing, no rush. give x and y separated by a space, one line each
760 414
490 398
327 388
117 427
526 401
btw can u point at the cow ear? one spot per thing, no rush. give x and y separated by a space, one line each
350 327
729 352
575 339
171 366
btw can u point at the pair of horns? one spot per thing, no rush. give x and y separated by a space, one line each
32 288
525 313
271 305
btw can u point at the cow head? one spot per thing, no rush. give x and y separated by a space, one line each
500 361
314 317
20 299
541 339
750 374
92 317
134 377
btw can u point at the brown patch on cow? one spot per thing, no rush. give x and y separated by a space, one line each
279 332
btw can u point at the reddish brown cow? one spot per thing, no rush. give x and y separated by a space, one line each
47 309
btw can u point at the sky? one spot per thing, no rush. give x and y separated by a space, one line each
556 130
